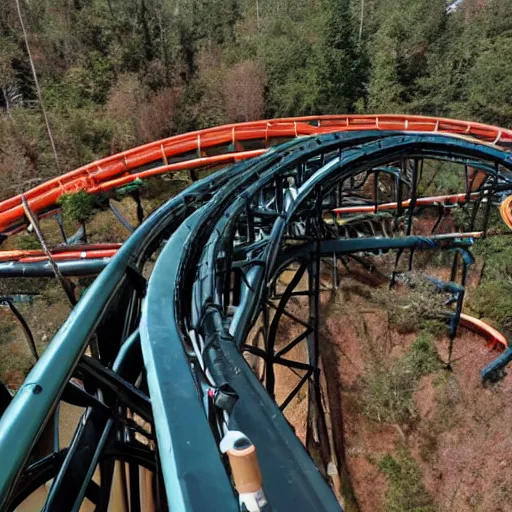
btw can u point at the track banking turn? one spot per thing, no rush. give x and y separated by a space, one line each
167 368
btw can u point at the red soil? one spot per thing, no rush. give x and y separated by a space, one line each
461 437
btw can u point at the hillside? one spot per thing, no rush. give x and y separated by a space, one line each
410 425
116 74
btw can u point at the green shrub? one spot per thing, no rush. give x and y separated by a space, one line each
435 327
492 301
496 251
422 357
406 492
440 177
410 310
388 389
27 242
461 217
388 395
78 207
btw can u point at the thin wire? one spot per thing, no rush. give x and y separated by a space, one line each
362 21
38 88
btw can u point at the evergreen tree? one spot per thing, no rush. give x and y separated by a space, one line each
407 33
115 73
342 60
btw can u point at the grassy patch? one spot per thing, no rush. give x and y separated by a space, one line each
388 389
492 300
23 285
14 365
406 491
7 325
27 242
15 357
422 357
434 327
448 396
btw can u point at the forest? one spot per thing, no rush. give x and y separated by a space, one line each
83 79
118 73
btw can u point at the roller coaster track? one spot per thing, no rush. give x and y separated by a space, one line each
176 369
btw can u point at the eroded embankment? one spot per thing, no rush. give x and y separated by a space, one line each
415 436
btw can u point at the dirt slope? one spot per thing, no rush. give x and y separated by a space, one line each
459 435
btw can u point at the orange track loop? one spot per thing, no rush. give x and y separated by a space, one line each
119 169
181 166
49 198
495 338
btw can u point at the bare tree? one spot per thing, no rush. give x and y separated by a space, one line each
244 91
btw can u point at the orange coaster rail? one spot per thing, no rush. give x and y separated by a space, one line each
495 339
231 142
420 201
65 253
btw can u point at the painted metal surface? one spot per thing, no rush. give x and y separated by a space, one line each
157 157
244 223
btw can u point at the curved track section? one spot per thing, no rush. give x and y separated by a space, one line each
219 146
168 368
